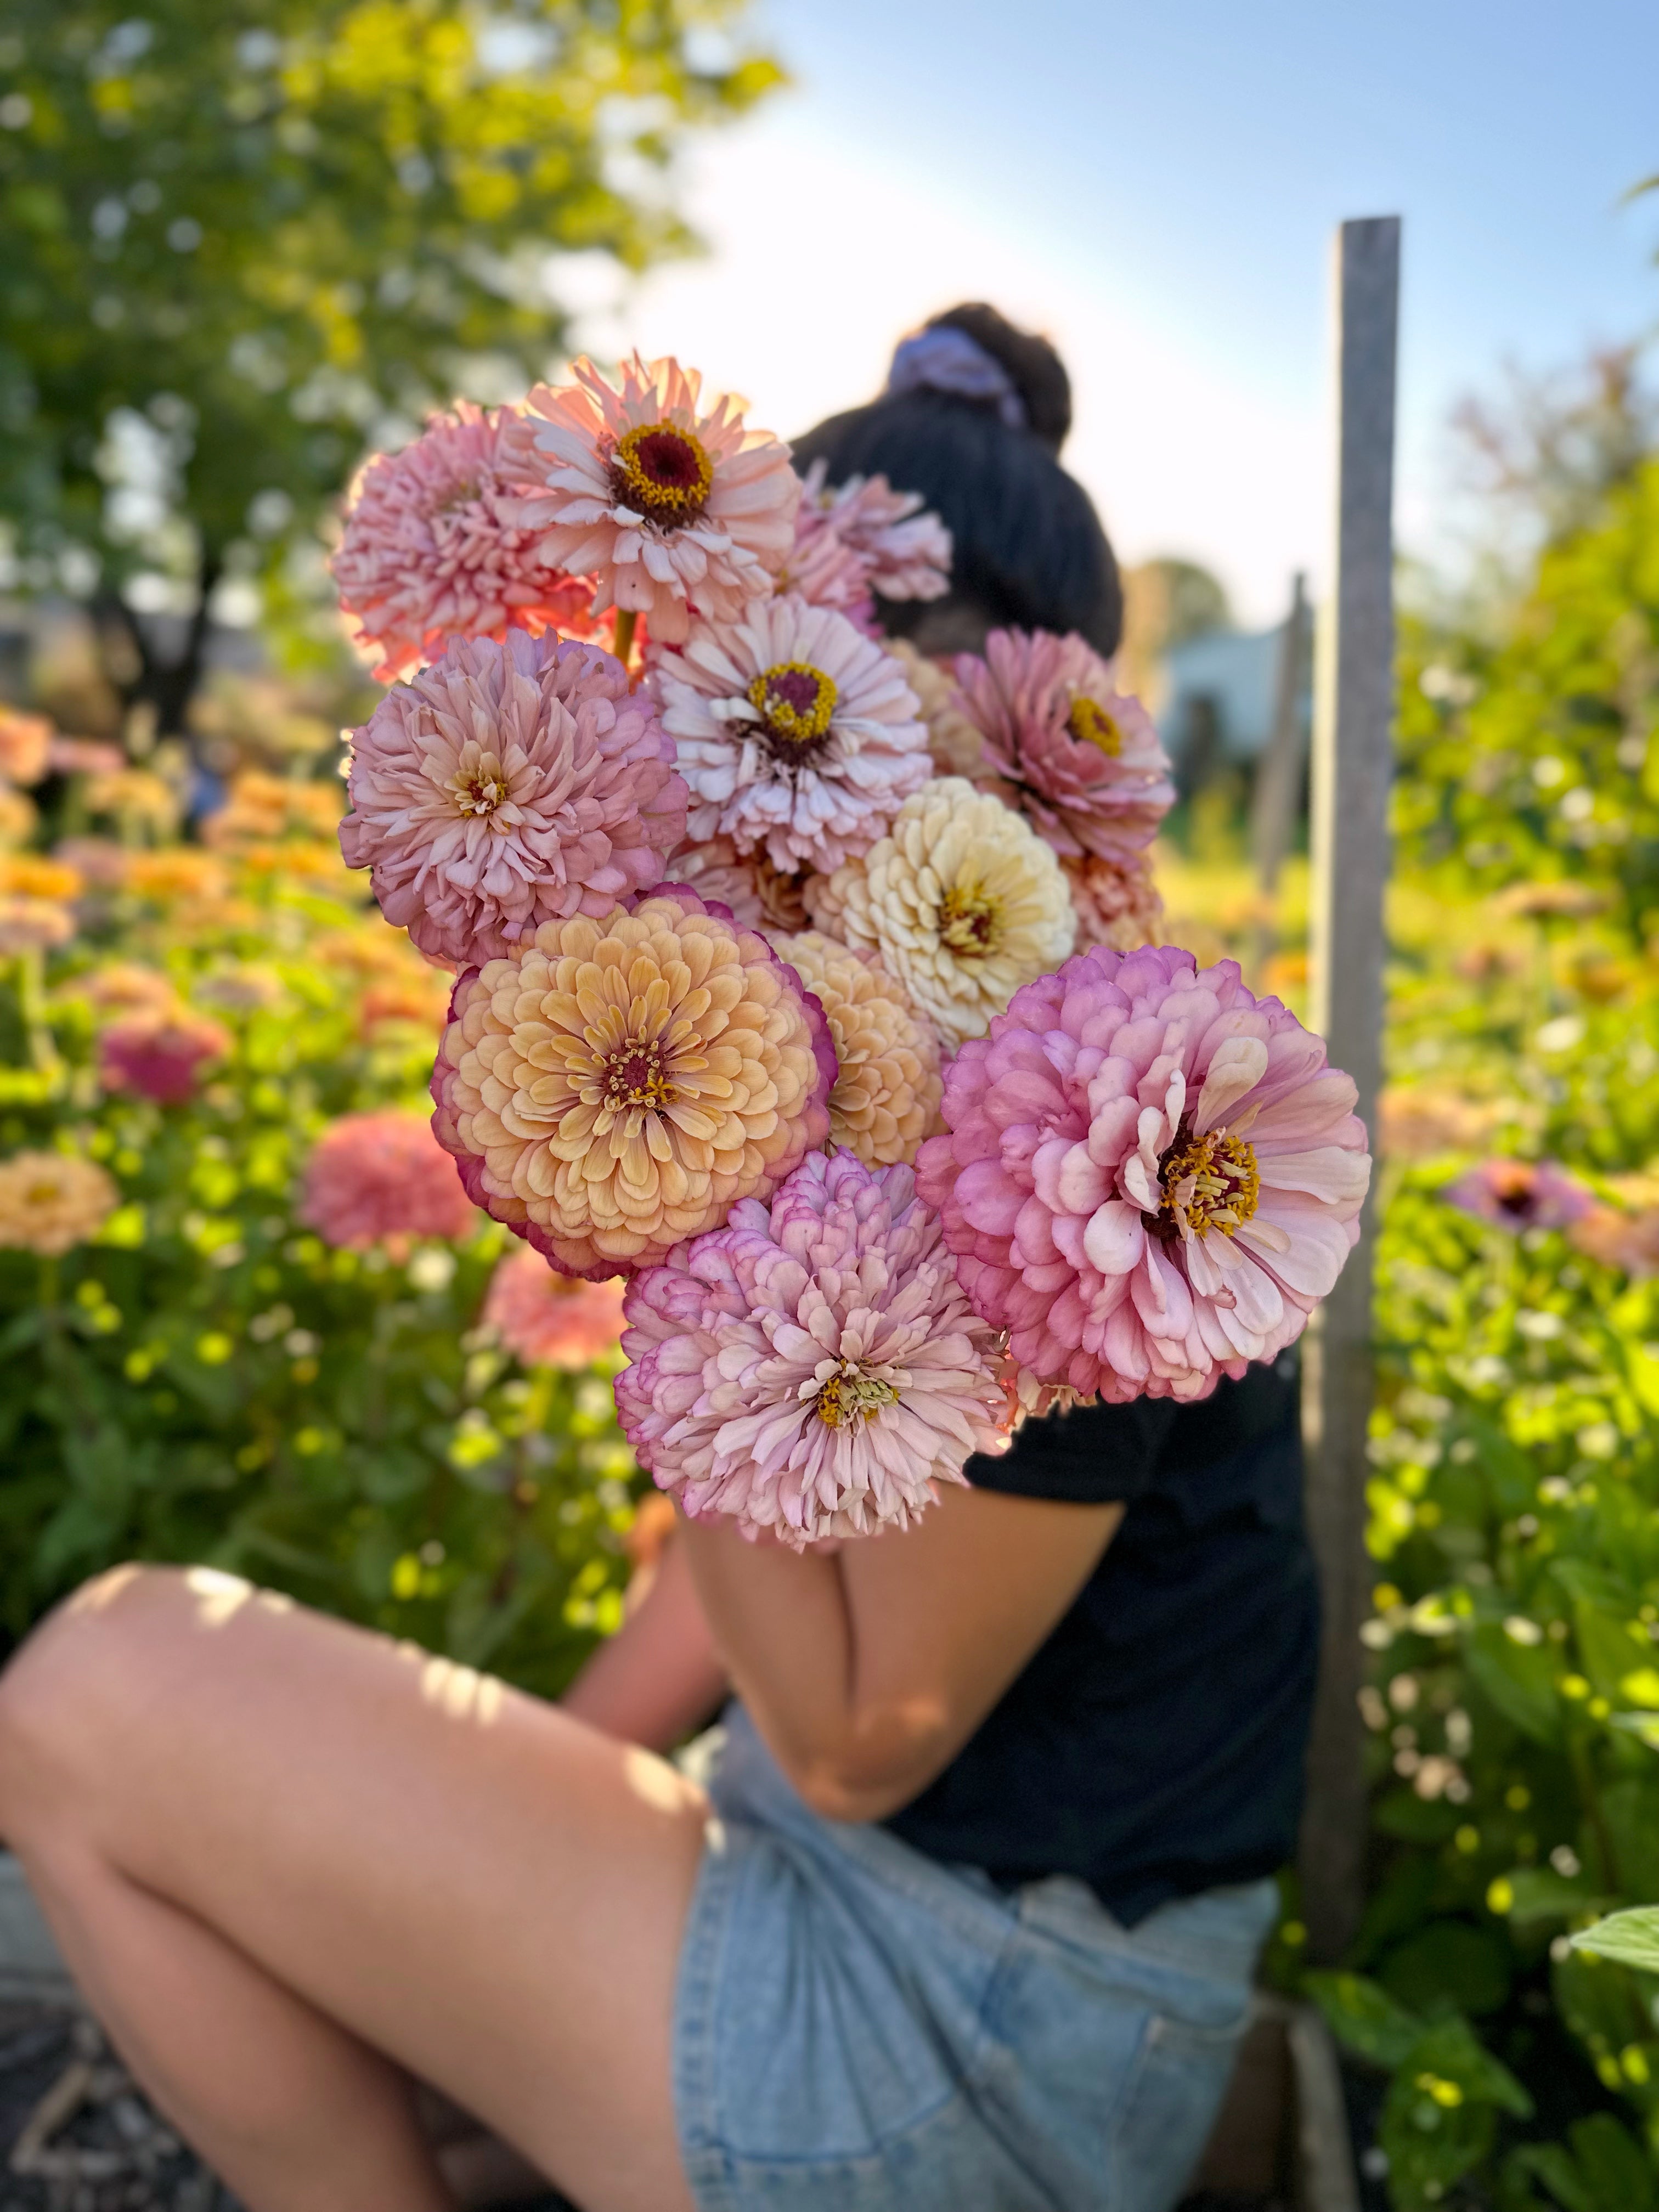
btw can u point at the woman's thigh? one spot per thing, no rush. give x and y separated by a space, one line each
472 1882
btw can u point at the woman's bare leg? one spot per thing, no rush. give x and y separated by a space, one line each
293 1864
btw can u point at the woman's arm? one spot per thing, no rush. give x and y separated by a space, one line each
867 1665
659 1676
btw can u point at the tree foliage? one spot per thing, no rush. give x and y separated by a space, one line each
242 241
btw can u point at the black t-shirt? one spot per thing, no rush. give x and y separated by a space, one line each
1154 1745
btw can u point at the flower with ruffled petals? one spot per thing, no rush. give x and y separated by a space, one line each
158 1052
1083 758
1520 1194
672 512
550 1320
796 733
814 1368
25 747
955 742
382 1178
32 925
1149 1177
511 783
717 871
50 1202
887 1092
962 901
1116 902
124 986
611 1087
905 549
432 547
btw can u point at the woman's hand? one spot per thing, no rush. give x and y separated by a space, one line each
867 1668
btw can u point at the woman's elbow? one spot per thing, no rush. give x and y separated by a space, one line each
854 1786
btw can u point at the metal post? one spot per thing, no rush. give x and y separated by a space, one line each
1353 714
1278 795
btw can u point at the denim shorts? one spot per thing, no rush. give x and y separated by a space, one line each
859 2028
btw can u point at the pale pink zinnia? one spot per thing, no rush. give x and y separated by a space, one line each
814 1368
671 511
382 1178
509 784
905 547
1083 758
159 1052
1520 1194
611 1087
1151 1178
796 734
1115 901
432 547
550 1320
716 870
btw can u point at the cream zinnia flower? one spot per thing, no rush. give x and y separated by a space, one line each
50 1201
613 1086
961 899
672 512
954 742
887 1093
794 731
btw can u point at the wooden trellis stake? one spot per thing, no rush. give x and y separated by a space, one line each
1352 746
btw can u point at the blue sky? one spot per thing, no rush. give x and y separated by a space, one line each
1156 186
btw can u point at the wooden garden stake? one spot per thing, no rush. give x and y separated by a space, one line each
1353 721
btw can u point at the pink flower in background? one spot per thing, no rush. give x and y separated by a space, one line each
1151 1178
431 547
84 756
25 747
550 1320
612 1087
1520 1194
382 1178
160 1053
672 512
814 1368
796 734
1085 758
1116 903
510 784
904 548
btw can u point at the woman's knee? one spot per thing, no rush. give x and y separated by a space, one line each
80 1679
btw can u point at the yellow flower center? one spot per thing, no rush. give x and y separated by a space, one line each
1209 1182
663 470
852 1396
479 783
43 1194
969 923
1090 722
636 1077
794 701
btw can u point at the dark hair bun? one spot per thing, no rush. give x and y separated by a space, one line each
1037 370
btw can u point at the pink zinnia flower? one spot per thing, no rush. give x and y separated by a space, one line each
160 1053
717 872
381 1179
1085 758
795 733
1520 1194
611 1088
672 512
1115 901
431 548
510 784
1151 1178
550 1320
904 550
814 1368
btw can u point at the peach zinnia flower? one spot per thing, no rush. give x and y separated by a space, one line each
431 548
1083 758
25 747
611 1087
813 1370
510 784
382 1178
51 1201
1115 901
160 1053
550 1320
1149 1177
672 512
795 733
887 1092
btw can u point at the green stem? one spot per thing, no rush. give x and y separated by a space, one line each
623 646
31 1004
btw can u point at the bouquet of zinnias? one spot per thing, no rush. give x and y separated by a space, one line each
762 1012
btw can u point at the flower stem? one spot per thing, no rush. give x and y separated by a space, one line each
31 999
623 646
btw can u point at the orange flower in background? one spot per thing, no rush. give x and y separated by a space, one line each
33 877
178 873
550 1320
124 986
25 747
